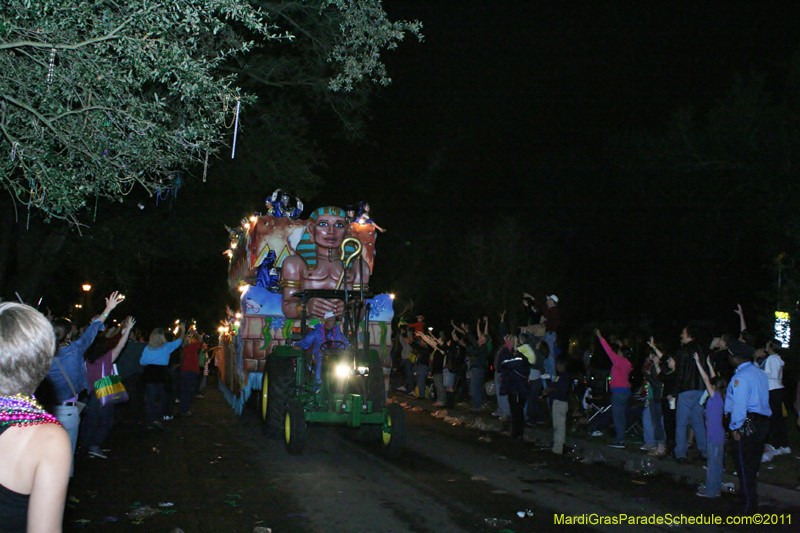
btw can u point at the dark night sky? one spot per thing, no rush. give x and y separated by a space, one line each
506 110
507 107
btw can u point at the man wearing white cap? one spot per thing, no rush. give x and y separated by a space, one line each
323 336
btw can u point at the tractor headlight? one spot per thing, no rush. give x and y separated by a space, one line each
342 371
363 370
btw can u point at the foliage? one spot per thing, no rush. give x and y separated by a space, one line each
334 63
98 96
366 30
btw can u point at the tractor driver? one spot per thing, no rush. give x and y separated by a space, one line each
318 265
323 336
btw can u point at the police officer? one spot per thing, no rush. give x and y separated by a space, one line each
747 402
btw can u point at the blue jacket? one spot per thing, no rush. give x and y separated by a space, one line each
317 338
159 356
71 359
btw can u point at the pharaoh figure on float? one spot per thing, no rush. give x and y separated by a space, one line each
319 263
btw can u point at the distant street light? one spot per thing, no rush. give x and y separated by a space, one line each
87 287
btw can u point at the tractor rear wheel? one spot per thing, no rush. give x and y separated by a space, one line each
295 430
394 430
277 386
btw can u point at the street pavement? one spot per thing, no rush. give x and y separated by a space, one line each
779 478
198 474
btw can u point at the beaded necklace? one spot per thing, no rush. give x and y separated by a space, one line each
23 410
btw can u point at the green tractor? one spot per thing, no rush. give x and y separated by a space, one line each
351 392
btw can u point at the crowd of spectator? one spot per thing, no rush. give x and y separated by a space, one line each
56 398
686 403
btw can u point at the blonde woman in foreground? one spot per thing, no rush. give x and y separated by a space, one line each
35 451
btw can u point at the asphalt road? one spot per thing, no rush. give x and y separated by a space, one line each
216 472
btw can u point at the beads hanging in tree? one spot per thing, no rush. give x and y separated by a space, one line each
235 130
52 65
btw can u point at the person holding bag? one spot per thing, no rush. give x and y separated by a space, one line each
99 417
67 380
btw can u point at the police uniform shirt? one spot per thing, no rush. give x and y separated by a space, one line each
748 392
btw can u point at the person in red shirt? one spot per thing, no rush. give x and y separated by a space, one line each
189 371
620 386
418 326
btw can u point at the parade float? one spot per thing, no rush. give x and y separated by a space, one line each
289 274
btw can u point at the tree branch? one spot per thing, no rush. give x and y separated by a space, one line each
109 36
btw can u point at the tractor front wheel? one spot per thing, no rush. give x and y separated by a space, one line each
263 399
295 429
394 430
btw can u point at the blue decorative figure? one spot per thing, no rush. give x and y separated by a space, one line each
267 273
278 205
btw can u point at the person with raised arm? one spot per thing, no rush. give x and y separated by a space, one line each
620 387
155 360
715 432
655 389
67 374
99 419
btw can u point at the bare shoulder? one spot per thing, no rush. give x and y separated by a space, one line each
292 267
50 440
